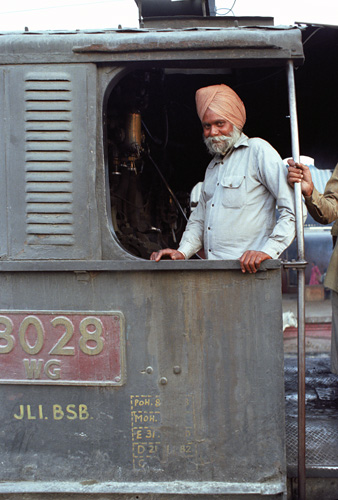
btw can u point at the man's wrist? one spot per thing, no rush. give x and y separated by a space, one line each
185 257
308 191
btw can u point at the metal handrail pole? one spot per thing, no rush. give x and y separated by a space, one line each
301 289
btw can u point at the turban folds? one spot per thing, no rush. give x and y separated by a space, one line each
223 101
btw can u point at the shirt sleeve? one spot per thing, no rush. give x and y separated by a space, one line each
334 230
273 175
192 239
324 207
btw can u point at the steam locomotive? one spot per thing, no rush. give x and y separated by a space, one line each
120 377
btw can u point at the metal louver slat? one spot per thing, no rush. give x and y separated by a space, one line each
49 209
48 156
48 146
49 169
49 229
48 166
48 187
52 126
50 219
49 198
43 105
51 116
41 95
48 176
51 135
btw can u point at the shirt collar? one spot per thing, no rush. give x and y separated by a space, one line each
242 141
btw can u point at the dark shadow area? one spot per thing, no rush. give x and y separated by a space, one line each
321 416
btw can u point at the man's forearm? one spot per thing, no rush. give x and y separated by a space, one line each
322 207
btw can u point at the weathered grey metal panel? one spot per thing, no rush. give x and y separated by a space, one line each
51 162
230 45
202 409
128 266
3 193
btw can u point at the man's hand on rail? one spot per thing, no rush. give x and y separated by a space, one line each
251 260
297 172
167 252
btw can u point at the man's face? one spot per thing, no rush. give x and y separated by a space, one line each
214 125
219 134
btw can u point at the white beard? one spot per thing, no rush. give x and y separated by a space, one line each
222 144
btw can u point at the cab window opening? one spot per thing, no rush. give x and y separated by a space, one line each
155 150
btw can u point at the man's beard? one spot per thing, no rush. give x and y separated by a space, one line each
222 144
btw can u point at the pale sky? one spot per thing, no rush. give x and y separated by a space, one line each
105 14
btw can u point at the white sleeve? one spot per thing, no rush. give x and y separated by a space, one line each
273 174
192 239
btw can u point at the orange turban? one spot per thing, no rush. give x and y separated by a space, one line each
223 101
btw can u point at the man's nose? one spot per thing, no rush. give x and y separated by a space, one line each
214 130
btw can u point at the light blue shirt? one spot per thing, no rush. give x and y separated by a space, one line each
237 207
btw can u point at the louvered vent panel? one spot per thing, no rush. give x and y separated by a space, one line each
49 172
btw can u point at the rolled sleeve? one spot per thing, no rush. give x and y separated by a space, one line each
324 207
273 174
192 239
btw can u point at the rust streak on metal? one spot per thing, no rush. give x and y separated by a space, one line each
188 45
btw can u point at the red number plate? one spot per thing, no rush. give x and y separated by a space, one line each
61 348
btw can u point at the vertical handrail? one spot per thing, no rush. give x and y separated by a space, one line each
301 288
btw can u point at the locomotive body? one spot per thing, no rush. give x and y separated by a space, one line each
120 377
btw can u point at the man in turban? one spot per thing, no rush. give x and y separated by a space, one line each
235 217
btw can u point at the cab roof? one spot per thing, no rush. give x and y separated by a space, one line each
224 46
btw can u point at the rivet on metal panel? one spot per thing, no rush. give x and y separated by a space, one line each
117 379
149 370
82 276
163 380
177 370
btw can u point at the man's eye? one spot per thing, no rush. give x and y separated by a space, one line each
220 124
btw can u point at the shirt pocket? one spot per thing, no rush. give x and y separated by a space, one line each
233 192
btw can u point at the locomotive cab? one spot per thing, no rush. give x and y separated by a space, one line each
103 146
155 378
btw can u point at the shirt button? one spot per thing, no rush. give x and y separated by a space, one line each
208 228
213 205
217 183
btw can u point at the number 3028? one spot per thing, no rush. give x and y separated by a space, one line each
91 341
